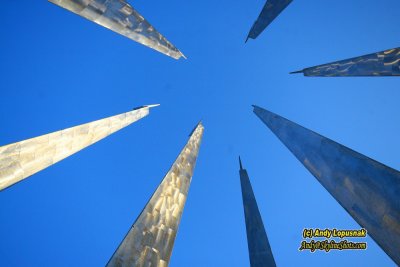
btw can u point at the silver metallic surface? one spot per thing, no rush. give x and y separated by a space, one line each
22 159
368 190
260 252
121 17
150 240
384 63
270 11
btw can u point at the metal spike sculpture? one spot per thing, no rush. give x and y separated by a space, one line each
384 63
150 240
22 159
368 190
270 11
260 252
120 17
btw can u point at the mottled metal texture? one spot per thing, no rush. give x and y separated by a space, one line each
270 11
119 16
260 252
385 63
150 240
22 159
368 190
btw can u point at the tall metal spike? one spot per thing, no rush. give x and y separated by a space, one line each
384 63
119 16
260 252
368 190
22 159
150 240
270 11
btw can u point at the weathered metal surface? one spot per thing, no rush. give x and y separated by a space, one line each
270 11
260 252
384 63
368 190
119 16
150 240
22 159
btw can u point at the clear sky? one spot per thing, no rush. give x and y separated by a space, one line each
60 70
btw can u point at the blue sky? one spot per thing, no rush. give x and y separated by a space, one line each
60 70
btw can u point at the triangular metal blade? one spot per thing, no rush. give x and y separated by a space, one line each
150 240
22 159
384 63
368 190
260 252
120 17
270 11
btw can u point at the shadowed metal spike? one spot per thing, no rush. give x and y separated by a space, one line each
22 159
260 252
120 17
150 240
384 63
368 190
270 11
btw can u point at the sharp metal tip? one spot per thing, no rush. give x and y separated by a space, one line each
146 106
152 105
240 163
183 55
200 123
294 72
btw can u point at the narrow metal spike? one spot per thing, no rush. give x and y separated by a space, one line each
120 17
368 190
22 159
260 252
150 240
384 63
270 11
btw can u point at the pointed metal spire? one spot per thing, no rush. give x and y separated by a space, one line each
240 163
384 63
150 240
270 11
368 190
119 16
260 252
22 159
